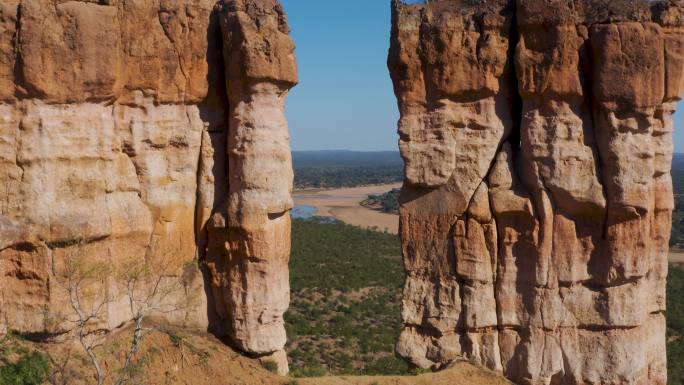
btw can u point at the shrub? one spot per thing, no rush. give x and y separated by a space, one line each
271 366
30 369
176 340
309 371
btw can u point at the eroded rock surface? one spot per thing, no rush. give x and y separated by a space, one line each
537 205
130 129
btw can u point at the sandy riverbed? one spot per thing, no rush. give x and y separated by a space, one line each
343 204
677 256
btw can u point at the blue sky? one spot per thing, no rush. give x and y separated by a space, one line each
345 98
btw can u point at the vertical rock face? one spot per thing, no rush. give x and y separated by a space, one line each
124 126
100 135
537 205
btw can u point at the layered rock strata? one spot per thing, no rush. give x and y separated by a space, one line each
536 210
124 126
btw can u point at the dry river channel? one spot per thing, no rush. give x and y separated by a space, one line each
344 204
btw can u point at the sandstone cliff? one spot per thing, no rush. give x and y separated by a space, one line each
536 211
130 129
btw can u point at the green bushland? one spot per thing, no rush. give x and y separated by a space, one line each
271 366
344 315
677 235
675 325
20 366
325 177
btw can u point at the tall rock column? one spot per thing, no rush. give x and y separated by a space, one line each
250 240
560 254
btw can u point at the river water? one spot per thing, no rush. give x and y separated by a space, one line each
303 212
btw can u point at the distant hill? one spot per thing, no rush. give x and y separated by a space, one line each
340 168
345 158
678 161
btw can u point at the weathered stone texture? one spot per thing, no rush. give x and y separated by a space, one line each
119 124
536 211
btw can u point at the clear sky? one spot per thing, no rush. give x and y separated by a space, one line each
345 99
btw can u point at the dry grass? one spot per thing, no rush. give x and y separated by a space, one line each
460 374
168 356
173 356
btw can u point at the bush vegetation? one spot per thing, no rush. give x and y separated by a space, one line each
675 325
20 366
312 177
271 366
344 315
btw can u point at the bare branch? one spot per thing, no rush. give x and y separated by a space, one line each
152 285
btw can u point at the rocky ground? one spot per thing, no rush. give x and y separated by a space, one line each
172 356
168 356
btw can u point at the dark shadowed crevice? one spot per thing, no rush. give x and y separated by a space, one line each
596 266
20 90
516 101
214 113
587 79
514 140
